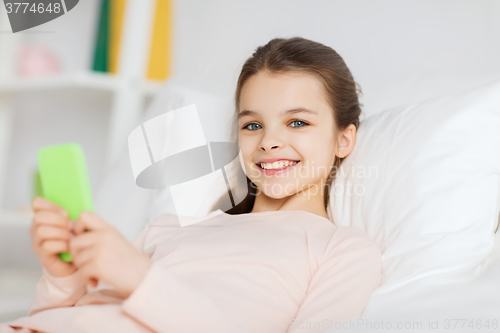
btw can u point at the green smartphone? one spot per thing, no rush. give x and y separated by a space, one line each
65 181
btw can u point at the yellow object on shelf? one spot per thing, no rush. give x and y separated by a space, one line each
117 13
160 57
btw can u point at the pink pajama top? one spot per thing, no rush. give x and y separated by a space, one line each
274 271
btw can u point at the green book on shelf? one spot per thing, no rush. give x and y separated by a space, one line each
102 39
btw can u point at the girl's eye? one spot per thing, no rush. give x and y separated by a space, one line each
246 126
300 122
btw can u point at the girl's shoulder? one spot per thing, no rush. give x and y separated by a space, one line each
353 241
355 233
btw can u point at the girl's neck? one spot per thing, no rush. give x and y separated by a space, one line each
304 200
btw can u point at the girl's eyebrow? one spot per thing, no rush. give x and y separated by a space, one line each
292 111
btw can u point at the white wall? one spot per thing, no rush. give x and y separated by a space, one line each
400 51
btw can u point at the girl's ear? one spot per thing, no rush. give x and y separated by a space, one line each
347 139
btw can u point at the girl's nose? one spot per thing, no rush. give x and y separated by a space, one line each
264 148
270 141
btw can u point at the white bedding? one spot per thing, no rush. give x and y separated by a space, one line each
459 307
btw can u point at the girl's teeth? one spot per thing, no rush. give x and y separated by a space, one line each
277 165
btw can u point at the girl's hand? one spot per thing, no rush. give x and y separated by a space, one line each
50 233
103 253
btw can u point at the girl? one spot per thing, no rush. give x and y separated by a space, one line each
274 263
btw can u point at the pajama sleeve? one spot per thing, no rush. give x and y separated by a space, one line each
53 291
343 282
165 303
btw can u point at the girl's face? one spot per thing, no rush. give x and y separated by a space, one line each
286 117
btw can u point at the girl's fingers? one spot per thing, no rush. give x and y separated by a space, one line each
54 246
83 257
83 261
89 221
81 242
44 233
40 203
93 282
51 218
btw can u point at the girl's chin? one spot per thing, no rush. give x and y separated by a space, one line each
276 190
278 197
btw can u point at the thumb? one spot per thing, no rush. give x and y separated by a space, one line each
88 221
93 282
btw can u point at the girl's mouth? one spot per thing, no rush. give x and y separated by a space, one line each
270 172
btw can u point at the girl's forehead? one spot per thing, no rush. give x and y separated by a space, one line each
270 92
284 82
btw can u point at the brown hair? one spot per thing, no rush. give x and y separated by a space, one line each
298 54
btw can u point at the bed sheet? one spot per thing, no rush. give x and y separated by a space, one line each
461 307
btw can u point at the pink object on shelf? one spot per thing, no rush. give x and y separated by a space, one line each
36 60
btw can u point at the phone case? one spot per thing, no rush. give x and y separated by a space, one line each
65 181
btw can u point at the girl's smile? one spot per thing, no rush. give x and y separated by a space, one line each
278 166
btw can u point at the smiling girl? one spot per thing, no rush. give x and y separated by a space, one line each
297 105
274 263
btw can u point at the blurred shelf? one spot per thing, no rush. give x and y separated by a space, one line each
78 80
15 218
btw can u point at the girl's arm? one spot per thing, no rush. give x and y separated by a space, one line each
341 286
53 292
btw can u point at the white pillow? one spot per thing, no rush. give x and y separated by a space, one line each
432 198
